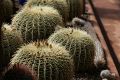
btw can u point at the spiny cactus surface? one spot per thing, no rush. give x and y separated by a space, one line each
50 61
80 45
36 22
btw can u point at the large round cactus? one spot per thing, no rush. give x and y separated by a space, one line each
80 45
50 61
10 40
76 8
37 22
60 5
6 10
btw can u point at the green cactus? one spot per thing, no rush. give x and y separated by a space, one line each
60 5
76 8
10 40
6 10
36 22
80 45
50 61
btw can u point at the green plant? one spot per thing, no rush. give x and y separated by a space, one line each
60 5
80 45
50 61
76 8
6 10
36 22
10 41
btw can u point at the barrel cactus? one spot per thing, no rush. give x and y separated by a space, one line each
6 10
80 45
60 5
50 61
76 8
18 72
10 40
36 22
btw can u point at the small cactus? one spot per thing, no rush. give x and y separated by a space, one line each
60 5
50 61
6 10
80 45
76 8
36 22
10 40
18 72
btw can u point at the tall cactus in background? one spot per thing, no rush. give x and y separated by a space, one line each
37 22
60 5
76 8
6 10
10 40
80 45
50 61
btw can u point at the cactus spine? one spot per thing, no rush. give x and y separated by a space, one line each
6 10
36 22
10 40
50 61
80 45
60 5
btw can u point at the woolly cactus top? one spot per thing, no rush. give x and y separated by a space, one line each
60 5
71 34
43 10
41 49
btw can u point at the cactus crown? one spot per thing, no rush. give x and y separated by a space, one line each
50 61
60 5
43 10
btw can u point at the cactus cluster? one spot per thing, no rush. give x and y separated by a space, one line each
10 40
6 10
50 61
60 5
80 45
36 22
